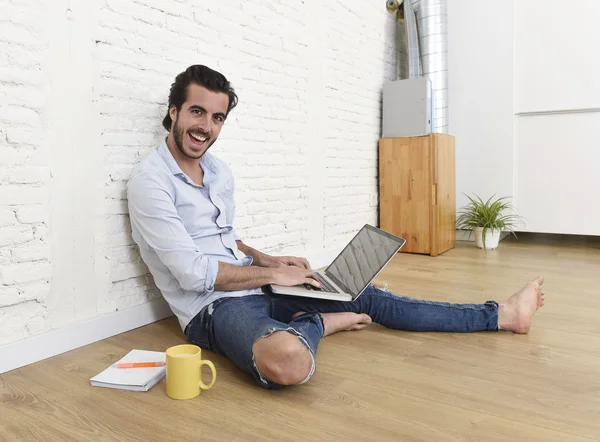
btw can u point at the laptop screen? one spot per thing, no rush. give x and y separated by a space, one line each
360 261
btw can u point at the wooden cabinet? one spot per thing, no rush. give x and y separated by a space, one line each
417 192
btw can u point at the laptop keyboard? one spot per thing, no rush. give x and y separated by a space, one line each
325 286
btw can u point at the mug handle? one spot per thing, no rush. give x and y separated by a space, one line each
214 374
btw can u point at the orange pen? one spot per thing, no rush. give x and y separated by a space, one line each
139 364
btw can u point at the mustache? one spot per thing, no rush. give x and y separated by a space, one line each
200 132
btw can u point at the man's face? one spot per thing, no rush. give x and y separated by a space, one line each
197 125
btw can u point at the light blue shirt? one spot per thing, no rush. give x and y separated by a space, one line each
183 230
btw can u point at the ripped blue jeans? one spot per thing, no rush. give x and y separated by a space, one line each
231 326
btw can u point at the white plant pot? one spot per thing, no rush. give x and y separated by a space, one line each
492 238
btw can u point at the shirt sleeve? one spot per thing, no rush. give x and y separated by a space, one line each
154 217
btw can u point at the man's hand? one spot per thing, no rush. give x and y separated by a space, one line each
264 260
292 261
291 275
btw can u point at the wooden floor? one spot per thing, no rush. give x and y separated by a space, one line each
372 385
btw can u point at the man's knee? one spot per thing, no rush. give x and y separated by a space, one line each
283 359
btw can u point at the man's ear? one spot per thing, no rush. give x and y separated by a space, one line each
173 112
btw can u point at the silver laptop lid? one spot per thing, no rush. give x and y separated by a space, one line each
363 258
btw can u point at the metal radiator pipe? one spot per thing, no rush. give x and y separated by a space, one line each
432 25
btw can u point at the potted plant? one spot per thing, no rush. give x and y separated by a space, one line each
487 219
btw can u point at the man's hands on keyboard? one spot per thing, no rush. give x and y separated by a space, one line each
290 276
278 261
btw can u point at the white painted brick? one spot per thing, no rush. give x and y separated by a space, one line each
37 323
20 115
125 56
21 320
115 207
347 191
285 239
120 124
110 106
261 219
162 34
40 231
38 291
110 19
37 213
138 12
128 270
12 194
5 256
29 98
265 230
4 58
128 138
16 234
15 155
120 173
266 184
13 33
21 56
25 272
23 136
17 75
7 217
362 200
121 157
31 251
117 223
29 175
121 239
116 190
187 26
127 254
9 295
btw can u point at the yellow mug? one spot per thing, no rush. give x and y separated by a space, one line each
184 369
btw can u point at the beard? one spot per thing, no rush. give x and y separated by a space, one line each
178 137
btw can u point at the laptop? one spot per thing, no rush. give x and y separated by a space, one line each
346 278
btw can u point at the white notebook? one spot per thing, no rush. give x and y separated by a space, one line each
133 379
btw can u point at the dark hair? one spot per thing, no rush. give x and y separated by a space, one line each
202 76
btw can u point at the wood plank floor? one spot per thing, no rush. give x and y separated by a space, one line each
372 385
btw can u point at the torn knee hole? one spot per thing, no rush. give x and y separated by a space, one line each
281 360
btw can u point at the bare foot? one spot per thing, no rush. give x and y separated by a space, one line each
345 321
516 312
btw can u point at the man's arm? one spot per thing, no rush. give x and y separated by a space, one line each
155 218
263 260
259 259
231 277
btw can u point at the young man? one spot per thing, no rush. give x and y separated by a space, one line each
181 204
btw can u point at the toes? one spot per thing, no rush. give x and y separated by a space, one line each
365 319
539 280
359 326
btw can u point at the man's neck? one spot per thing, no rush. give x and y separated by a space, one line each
191 167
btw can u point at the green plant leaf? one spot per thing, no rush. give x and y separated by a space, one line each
487 214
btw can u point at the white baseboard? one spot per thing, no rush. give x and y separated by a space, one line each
55 342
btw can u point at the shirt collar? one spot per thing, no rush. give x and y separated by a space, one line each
165 154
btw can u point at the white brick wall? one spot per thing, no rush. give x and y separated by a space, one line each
302 142
25 271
